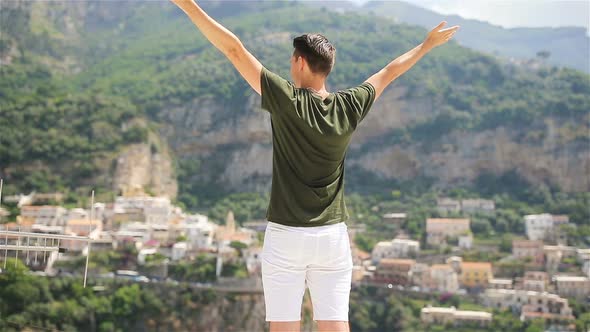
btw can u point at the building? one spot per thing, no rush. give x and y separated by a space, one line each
554 255
179 250
560 220
586 268
104 242
443 278
583 254
466 241
83 227
439 229
394 271
523 249
198 230
152 210
77 213
137 232
4 214
47 215
500 284
452 316
144 253
397 248
535 281
475 274
421 276
380 251
394 218
229 233
544 226
448 205
572 286
253 260
529 303
477 205
160 233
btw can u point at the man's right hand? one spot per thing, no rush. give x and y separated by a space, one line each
439 36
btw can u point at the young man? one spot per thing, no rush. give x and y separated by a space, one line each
306 240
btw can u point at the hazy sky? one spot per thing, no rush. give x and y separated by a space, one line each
515 13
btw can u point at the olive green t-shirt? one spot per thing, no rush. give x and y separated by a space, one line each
310 137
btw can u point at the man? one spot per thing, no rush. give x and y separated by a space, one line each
306 240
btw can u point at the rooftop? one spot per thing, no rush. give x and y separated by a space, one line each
476 265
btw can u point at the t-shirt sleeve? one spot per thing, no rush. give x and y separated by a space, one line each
275 91
360 100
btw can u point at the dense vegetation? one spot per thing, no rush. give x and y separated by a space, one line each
39 303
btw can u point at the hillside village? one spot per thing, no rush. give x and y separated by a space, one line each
534 281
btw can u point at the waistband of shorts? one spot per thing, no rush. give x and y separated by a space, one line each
308 230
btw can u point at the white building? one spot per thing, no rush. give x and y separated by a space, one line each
550 306
157 210
397 248
138 232
394 218
179 250
443 278
452 316
544 226
500 283
448 205
47 215
572 286
538 226
466 241
144 253
477 205
439 229
253 260
77 213
583 255
537 281
199 231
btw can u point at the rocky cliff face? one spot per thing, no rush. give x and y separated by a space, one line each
237 154
232 143
148 166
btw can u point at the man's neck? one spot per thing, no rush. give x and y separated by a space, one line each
317 86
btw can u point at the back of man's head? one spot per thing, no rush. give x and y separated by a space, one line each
319 53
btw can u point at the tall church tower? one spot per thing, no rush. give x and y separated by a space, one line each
230 223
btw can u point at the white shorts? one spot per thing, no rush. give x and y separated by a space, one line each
317 256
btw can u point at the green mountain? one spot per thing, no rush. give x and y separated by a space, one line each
562 46
112 96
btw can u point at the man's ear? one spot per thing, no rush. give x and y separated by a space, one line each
302 63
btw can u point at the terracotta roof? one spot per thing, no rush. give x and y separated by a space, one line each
396 261
476 265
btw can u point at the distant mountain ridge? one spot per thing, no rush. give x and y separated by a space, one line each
567 46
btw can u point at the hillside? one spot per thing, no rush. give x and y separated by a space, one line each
567 46
459 118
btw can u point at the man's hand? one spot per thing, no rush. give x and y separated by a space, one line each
403 63
438 35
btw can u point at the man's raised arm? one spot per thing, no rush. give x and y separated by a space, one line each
225 41
397 67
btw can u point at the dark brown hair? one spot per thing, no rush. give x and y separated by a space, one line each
319 53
